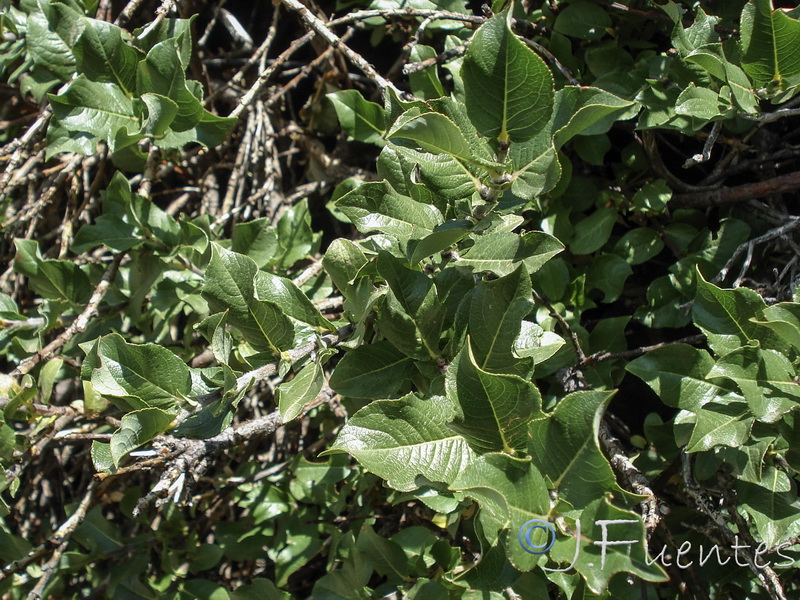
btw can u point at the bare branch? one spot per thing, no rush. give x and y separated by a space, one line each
354 57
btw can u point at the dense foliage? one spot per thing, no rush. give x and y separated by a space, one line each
448 304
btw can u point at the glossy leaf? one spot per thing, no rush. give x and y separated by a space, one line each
508 88
501 253
399 440
137 376
138 428
677 373
492 411
374 207
496 311
230 286
565 447
303 388
362 120
769 44
375 370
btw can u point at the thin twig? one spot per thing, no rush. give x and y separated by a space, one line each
354 57
772 116
604 355
244 382
437 15
266 74
78 325
305 70
260 53
190 459
41 409
705 156
161 13
17 145
439 59
740 193
696 494
146 182
127 12
565 326
552 59
61 539
748 246
308 273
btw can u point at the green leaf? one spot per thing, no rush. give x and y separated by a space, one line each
230 286
47 49
578 110
565 448
608 273
416 293
653 197
701 33
784 319
537 169
362 120
495 316
713 60
102 459
399 440
100 109
444 237
774 513
764 377
293 395
593 232
727 317
425 84
137 376
342 262
290 299
533 342
723 423
376 370
435 133
386 556
255 239
492 411
162 73
138 428
54 279
502 252
214 329
209 130
702 103
436 179
47 378
259 589
103 56
583 20
176 31
677 373
161 112
109 231
60 139
598 563
511 492
769 41
374 206
508 88
296 239
639 245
